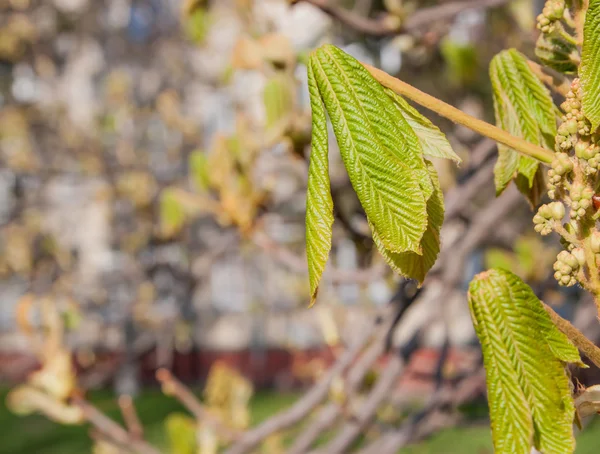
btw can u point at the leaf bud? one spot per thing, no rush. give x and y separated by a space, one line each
557 210
579 255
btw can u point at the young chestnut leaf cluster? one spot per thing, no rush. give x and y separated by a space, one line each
556 47
382 141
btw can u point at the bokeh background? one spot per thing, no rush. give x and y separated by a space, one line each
153 165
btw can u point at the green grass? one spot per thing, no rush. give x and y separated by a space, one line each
38 435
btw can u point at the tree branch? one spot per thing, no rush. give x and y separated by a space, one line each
318 393
353 428
130 416
173 387
112 430
382 27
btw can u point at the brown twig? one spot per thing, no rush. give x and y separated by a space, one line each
481 227
577 337
372 27
173 387
113 431
130 416
353 428
356 374
430 419
317 394
382 27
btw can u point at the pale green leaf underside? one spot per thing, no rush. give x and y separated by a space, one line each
524 108
433 141
528 387
319 204
382 155
410 264
589 71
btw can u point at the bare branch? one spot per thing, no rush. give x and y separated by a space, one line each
382 27
173 387
328 415
130 416
353 428
302 408
113 431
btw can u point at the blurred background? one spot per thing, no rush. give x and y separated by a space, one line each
153 166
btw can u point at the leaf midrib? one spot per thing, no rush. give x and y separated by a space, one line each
376 192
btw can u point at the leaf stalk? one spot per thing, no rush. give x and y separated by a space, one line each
457 116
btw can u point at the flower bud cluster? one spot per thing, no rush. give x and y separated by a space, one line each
553 11
566 266
581 200
546 214
561 166
575 132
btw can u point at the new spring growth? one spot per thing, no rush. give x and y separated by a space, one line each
553 11
567 265
554 211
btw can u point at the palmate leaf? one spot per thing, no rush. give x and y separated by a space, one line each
382 141
524 356
319 204
433 141
382 155
524 108
589 71
410 264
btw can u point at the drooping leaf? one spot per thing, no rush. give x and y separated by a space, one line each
589 71
381 153
524 108
411 264
433 141
319 204
557 53
524 356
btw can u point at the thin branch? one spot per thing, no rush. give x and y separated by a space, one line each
577 337
373 27
445 12
130 416
318 393
328 415
484 222
382 27
458 116
173 387
112 430
429 420
353 428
